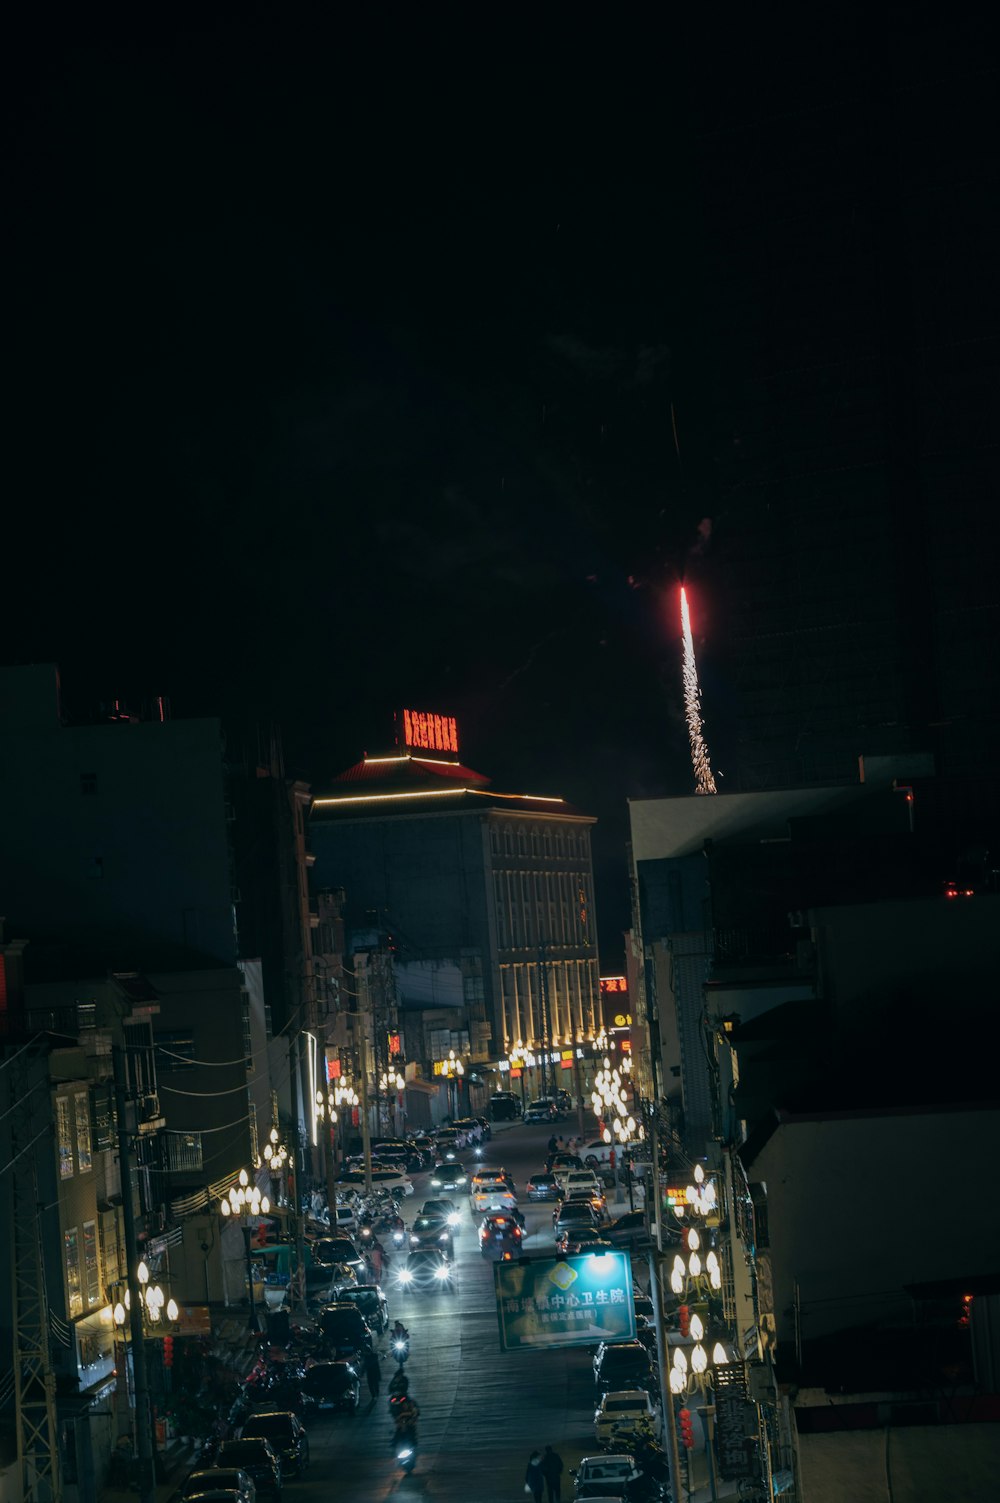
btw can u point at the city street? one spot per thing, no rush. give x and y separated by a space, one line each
482 1410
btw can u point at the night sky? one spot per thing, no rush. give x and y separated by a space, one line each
363 362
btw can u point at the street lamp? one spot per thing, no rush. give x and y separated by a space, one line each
245 1202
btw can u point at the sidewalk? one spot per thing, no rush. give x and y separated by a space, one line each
177 1460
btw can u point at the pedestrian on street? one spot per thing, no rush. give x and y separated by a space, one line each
552 1472
376 1257
552 1144
534 1482
373 1372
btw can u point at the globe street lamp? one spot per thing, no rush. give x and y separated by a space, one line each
245 1202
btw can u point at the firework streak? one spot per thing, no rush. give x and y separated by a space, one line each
704 781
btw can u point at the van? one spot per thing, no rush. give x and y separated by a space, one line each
505 1107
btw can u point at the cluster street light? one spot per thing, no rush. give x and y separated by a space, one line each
245 1202
453 1070
610 1106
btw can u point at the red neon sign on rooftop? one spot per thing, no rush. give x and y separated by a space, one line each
430 732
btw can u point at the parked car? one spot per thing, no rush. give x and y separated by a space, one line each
620 1365
628 1231
286 1435
629 1407
331 1386
345 1331
505 1107
598 1155
576 1218
449 1142
384 1177
470 1128
542 1187
370 1301
256 1457
330 1251
233 1480
603 1476
540 1111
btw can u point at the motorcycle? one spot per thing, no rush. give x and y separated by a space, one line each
401 1348
406 1450
399 1236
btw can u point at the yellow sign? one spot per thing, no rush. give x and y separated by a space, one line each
623 1020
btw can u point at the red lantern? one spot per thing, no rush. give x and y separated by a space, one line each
684 1319
168 1351
687 1428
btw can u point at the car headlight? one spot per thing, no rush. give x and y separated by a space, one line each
405 1276
445 1237
436 1183
454 1219
444 1272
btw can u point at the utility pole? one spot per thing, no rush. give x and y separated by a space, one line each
143 1409
295 1162
364 1012
656 1292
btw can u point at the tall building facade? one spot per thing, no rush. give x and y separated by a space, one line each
488 897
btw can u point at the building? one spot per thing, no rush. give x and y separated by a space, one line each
485 900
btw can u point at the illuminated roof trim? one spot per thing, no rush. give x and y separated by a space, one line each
405 758
382 798
373 798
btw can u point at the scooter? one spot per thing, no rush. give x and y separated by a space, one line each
399 1236
406 1450
401 1348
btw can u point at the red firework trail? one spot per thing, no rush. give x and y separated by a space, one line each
703 779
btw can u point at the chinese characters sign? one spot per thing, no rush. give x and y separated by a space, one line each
574 1301
430 732
613 984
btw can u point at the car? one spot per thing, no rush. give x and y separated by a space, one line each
448 1176
504 1106
443 1207
603 1476
600 1156
595 1245
628 1407
345 1332
542 1187
576 1179
492 1192
470 1128
233 1481
578 1220
401 1151
214 1495
540 1111
344 1219
449 1142
426 1268
431 1231
256 1457
595 1199
324 1279
330 1251
286 1435
331 1386
383 1178
628 1231
370 1301
562 1159
500 1237
623 1365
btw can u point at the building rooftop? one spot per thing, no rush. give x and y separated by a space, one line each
408 782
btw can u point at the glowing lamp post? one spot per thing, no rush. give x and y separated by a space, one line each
245 1203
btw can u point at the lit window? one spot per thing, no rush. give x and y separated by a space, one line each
81 1103
71 1242
65 1137
91 1264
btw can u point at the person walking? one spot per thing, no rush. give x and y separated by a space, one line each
552 1466
376 1259
534 1482
373 1372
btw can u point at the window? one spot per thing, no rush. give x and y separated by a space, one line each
91 1264
184 1150
72 1248
65 1138
81 1104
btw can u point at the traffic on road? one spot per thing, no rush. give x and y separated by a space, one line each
394 1379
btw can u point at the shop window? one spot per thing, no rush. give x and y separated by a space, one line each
64 1135
81 1105
71 1244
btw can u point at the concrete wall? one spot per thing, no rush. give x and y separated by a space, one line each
858 1207
957 1463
